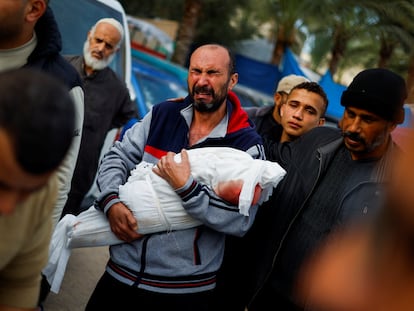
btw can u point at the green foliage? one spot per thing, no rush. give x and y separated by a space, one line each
165 9
220 21
362 33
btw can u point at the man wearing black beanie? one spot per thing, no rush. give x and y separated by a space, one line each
334 177
379 91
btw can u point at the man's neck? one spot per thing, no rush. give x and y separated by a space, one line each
17 42
284 137
276 115
88 70
17 56
203 123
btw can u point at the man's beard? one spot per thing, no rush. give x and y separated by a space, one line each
216 102
368 147
95 64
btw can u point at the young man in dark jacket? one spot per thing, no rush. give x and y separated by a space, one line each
333 177
267 119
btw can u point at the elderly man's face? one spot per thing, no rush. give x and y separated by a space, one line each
100 47
366 135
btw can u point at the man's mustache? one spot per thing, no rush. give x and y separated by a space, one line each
354 136
203 89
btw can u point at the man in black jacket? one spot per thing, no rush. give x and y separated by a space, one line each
30 38
333 177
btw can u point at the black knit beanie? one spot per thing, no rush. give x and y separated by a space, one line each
379 91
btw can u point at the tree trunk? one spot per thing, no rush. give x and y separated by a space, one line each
334 62
279 49
410 81
338 49
385 54
186 31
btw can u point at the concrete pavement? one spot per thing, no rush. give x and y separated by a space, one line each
85 267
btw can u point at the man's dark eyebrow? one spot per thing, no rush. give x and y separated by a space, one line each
109 45
372 116
293 101
310 107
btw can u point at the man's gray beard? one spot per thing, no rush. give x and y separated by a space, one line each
212 107
95 64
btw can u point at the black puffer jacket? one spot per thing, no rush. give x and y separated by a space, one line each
46 56
249 261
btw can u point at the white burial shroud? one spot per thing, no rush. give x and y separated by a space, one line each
155 204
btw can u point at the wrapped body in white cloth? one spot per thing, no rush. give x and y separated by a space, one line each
157 207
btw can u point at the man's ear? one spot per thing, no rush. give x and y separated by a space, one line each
281 110
234 78
277 97
321 121
340 123
35 10
400 116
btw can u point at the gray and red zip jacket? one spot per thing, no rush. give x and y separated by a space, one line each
182 261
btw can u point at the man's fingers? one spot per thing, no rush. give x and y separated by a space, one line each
123 223
184 156
132 222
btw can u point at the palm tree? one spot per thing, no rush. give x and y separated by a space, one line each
394 29
363 33
186 30
206 21
285 17
339 35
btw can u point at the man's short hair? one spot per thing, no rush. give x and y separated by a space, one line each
314 88
37 113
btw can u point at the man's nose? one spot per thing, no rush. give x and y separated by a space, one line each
101 46
298 114
202 79
354 126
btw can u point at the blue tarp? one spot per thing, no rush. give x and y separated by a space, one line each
264 77
334 91
257 75
290 65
